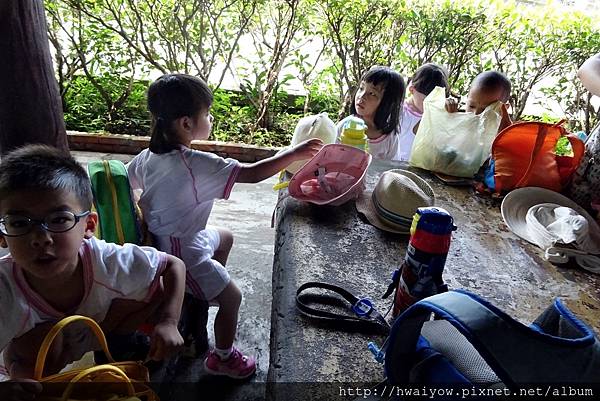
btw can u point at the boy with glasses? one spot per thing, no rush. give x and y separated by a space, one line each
56 268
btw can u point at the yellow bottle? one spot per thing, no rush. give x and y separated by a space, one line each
354 133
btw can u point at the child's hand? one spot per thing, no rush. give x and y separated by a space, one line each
165 341
451 105
265 168
19 390
307 149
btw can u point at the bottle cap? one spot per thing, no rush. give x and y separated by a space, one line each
355 123
435 220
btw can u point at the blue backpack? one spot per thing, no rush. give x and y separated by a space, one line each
471 342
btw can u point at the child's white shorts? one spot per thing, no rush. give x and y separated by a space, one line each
205 277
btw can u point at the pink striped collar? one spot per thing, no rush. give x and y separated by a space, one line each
231 180
412 111
36 301
380 138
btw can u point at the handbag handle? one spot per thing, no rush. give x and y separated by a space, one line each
539 141
98 369
578 148
577 145
45 347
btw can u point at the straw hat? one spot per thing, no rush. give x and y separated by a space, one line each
394 201
316 126
519 202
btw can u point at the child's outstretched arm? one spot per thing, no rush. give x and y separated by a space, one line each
266 168
589 74
166 338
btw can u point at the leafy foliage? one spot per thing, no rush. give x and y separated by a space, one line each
87 111
363 33
102 47
563 147
452 34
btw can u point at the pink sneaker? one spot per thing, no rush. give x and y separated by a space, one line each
237 366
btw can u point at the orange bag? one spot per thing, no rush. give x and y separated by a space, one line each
523 155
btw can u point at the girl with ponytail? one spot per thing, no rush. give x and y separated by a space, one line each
179 186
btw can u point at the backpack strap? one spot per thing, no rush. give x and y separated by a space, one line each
366 318
539 142
113 202
578 147
557 347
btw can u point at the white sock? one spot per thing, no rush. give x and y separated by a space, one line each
223 354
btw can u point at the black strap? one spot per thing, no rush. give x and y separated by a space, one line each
365 319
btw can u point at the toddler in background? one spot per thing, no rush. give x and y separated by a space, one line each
487 88
378 101
423 81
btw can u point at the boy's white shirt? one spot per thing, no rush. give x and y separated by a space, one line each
385 147
110 271
179 188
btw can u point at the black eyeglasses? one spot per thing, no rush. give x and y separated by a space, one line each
15 225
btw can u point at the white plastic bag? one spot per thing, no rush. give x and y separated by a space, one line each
453 143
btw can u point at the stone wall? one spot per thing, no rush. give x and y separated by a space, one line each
129 144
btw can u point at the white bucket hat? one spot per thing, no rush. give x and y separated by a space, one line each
555 223
390 206
316 126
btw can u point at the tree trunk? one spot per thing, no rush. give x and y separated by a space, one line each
344 110
263 120
30 103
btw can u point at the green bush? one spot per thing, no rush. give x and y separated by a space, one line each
234 115
533 46
563 147
86 110
232 119
319 102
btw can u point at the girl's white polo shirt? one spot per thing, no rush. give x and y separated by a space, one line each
179 188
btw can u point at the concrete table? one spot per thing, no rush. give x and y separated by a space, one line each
333 244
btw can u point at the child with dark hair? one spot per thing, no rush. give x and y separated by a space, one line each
487 88
378 101
423 81
179 186
56 268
